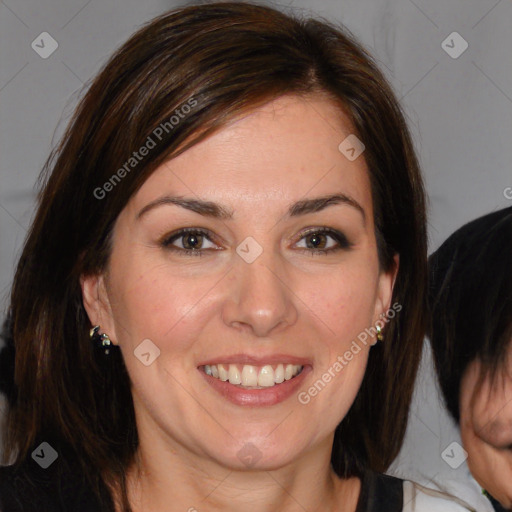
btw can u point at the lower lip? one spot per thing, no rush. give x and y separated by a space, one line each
257 397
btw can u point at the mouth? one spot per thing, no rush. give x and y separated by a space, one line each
256 382
248 376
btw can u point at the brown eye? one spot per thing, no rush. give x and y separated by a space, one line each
324 240
190 242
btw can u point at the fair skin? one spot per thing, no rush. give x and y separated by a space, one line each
486 428
288 303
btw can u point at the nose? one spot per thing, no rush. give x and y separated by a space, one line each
260 298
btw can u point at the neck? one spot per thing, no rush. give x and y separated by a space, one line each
167 476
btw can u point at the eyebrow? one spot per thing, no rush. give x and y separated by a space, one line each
217 211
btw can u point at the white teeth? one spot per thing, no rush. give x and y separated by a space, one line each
223 373
253 376
279 374
234 375
288 371
266 377
249 375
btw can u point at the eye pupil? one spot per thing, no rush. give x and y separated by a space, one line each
191 240
316 240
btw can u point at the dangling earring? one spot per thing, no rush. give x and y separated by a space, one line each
380 337
100 340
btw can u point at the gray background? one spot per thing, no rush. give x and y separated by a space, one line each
459 109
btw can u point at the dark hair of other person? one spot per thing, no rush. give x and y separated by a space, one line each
470 297
232 58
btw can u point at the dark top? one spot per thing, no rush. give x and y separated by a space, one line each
496 505
60 489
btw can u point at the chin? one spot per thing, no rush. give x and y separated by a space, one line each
258 454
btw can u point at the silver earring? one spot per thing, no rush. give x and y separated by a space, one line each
100 340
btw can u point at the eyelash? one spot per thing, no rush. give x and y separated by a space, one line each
339 237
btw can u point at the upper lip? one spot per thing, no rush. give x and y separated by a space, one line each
256 360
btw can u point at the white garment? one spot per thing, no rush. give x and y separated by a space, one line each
418 498
466 489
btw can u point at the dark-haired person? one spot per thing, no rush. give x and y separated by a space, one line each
201 314
470 295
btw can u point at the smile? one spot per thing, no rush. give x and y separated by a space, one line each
253 377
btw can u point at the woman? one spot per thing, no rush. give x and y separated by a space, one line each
229 223
471 334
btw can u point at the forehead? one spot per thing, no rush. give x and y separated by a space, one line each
282 151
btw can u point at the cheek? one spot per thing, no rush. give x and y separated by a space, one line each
490 467
158 305
476 449
485 426
491 412
346 303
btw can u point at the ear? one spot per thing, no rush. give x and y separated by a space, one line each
385 288
97 304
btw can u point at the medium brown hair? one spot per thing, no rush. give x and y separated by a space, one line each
230 58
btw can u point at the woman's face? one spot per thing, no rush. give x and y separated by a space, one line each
255 293
486 429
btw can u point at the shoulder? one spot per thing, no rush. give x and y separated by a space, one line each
17 490
385 493
380 493
418 498
26 487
